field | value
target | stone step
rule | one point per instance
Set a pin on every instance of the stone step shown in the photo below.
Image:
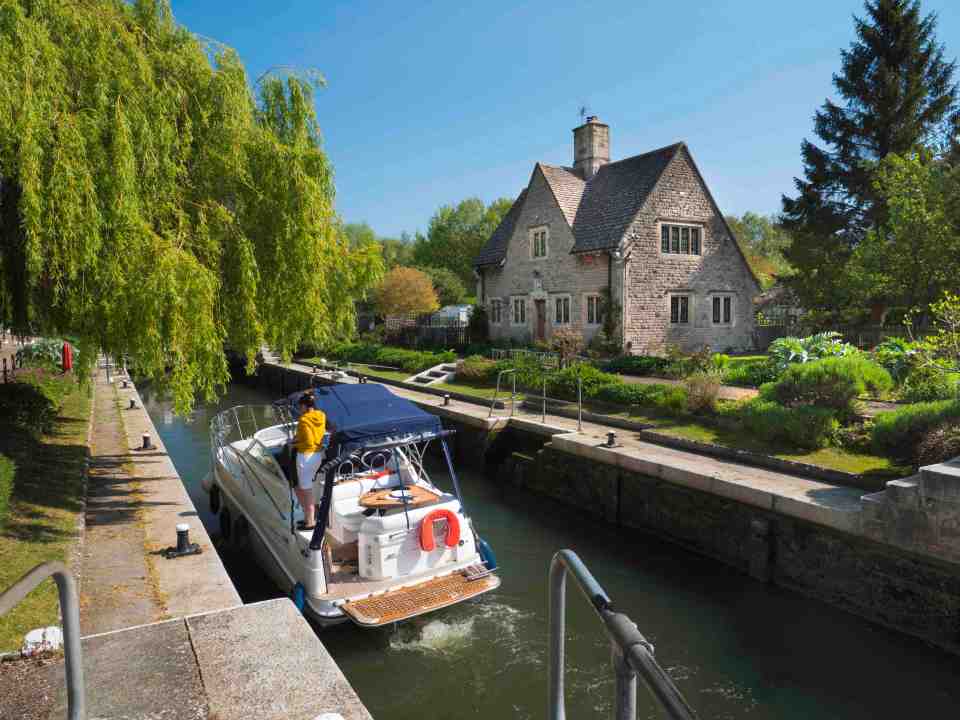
(437, 373)
(448, 368)
(423, 379)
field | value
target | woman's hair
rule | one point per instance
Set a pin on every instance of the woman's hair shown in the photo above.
(306, 399)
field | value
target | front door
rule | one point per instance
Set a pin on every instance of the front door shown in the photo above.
(541, 306)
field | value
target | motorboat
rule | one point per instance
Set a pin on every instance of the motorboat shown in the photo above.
(388, 543)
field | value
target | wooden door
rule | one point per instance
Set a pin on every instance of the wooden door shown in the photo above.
(541, 306)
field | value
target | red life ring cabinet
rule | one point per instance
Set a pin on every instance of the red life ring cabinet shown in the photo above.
(426, 529)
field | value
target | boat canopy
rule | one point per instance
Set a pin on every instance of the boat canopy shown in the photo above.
(365, 413)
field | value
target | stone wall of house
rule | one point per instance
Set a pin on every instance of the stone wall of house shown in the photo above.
(531, 279)
(651, 277)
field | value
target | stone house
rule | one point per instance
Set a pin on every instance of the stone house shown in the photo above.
(640, 238)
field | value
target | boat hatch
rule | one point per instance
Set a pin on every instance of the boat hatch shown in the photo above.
(407, 602)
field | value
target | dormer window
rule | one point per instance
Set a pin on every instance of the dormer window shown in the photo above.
(538, 242)
(680, 239)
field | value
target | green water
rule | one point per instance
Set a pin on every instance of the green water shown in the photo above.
(736, 648)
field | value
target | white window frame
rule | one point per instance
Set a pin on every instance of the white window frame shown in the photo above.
(514, 299)
(567, 317)
(532, 237)
(496, 311)
(690, 310)
(598, 310)
(681, 225)
(720, 297)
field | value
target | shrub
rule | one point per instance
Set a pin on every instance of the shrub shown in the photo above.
(807, 426)
(563, 384)
(476, 368)
(787, 351)
(640, 365)
(567, 343)
(683, 363)
(750, 374)
(6, 486)
(898, 356)
(26, 405)
(939, 445)
(669, 399)
(45, 352)
(702, 388)
(898, 432)
(528, 371)
(833, 382)
(925, 383)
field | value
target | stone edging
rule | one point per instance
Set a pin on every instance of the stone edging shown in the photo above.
(722, 452)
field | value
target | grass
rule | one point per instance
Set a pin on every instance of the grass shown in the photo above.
(476, 389)
(399, 375)
(41, 524)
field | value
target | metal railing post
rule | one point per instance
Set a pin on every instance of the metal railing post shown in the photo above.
(544, 408)
(579, 403)
(70, 610)
(632, 654)
(625, 686)
(513, 393)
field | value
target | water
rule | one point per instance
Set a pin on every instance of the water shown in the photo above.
(736, 648)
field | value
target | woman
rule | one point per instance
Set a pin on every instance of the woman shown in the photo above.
(308, 443)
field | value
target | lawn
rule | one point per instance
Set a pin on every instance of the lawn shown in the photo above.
(41, 523)
(477, 389)
(398, 375)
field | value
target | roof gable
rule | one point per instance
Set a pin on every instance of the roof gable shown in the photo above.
(495, 249)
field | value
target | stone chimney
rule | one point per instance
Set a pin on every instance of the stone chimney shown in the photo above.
(591, 147)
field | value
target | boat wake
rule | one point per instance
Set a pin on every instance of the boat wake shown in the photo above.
(439, 637)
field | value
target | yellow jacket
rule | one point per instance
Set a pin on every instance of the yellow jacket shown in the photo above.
(310, 430)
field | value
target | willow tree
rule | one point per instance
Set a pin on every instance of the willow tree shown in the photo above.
(155, 203)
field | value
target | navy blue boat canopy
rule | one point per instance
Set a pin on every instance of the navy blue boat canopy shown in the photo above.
(361, 414)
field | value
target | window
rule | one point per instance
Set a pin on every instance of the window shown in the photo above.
(594, 310)
(679, 309)
(538, 242)
(679, 239)
(722, 310)
(519, 311)
(561, 314)
(496, 311)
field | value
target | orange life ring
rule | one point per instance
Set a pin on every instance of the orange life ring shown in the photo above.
(426, 529)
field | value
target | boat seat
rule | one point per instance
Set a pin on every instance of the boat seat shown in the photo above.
(347, 515)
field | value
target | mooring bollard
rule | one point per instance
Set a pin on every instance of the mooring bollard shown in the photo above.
(446, 398)
(611, 439)
(184, 546)
(133, 404)
(147, 445)
(123, 384)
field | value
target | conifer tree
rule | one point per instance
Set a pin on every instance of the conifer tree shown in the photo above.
(898, 94)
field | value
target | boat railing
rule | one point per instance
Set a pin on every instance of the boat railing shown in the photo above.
(70, 611)
(632, 652)
(242, 422)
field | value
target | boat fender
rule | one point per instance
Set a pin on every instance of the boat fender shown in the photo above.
(426, 529)
(486, 554)
(207, 482)
(299, 596)
(214, 498)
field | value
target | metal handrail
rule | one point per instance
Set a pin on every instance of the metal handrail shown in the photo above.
(70, 610)
(493, 401)
(632, 653)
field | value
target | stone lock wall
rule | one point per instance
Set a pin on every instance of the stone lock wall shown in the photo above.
(906, 591)
(651, 276)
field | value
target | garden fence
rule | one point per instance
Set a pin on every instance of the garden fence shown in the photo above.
(426, 331)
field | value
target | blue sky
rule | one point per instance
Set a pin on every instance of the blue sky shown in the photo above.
(430, 103)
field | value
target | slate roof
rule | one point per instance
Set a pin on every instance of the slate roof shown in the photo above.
(495, 249)
(599, 211)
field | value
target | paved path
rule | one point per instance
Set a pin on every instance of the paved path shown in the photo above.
(116, 589)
